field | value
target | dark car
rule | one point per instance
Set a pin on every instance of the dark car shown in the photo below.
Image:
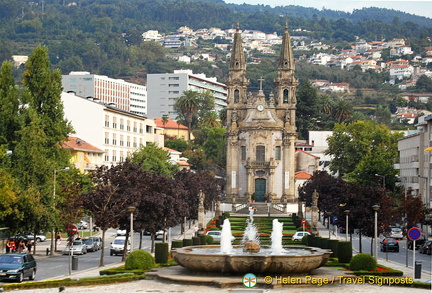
(98, 241)
(17, 266)
(390, 244)
(90, 244)
(426, 248)
(418, 243)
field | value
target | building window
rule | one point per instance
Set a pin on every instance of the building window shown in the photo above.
(243, 153)
(114, 139)
(106, 138)
(114, 122)
(135, 129)
(285, 96)
(260, 153)
(148, 129)
(121, 124)
(106, 156)
(106, 121)
(128, 126)
(278, 153)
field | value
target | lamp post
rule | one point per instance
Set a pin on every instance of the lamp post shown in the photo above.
(376, 208)
(346, 212)
(54, 196)
(383, 179)
(131, 209)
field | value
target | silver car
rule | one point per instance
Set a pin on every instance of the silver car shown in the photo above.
(78, 247)
(217, 235)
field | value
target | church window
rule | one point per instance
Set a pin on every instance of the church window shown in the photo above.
(260, 153)
(285, 96)
(278, 153)
(236, 96)
(243, 153)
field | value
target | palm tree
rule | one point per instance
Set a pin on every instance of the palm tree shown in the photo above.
(187, 106)
(342, 111)
(164, 121)
(211, 120)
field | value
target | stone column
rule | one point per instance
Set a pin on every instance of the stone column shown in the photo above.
(201, 219)
(315, 197)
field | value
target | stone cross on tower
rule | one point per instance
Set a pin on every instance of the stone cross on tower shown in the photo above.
(261, 81)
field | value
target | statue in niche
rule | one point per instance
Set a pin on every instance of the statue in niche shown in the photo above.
(236, 96)
(287, 117)
(234, 117)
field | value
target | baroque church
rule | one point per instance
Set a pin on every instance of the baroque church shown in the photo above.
(261, 132)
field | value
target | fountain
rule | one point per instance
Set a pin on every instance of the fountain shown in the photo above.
(250, 256)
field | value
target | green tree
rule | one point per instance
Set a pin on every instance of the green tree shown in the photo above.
(177, 144)
(383, 115)
(342, 110)
(214, 146)
(187, 106)
(153, 159)
(307, 108)
(9, 102)
(362, 149)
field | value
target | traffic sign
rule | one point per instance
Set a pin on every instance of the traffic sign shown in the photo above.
(414, 233)
(72, 229)
(303, 221)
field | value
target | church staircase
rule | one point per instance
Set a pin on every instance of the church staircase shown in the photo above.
(261, 209)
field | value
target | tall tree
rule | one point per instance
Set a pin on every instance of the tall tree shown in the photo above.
(187, 106)
(307, 108)
(9, 102)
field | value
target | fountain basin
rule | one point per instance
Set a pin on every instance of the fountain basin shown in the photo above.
(208, 258)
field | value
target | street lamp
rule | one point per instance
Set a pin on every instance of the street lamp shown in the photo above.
(54, 196)
(376, 208)
(383, 179)
(346, 212)
(131, 209)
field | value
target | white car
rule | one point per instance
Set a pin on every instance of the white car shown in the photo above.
(217, 235)
(117, 246)
(299, 235)
(396, 233)
(121, 232)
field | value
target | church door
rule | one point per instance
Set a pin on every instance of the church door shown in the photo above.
(260, 189)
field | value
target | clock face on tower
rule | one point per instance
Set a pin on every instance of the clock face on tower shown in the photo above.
(260, 107)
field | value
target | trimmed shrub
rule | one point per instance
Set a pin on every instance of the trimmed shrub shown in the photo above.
(218, 223)
(363, 262)
(311, 240)
(203, 239)
(344, 251)
(209, 239)
(161, 252)
(333, 245)
(226, 215)
(196, 241)
(139, 260)
(304, 240)
(324, 243)
(187, 242)
(176, 244)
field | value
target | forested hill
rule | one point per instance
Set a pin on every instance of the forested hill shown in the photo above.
(102, 36)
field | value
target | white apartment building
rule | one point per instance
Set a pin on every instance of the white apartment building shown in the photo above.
(117, 132)
(151, 35)
(117, 92)
(415, 162)
(164, 88)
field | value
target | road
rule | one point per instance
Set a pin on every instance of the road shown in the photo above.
(404, 256)
(58, 265)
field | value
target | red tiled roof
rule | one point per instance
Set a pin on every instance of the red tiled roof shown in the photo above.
(171, 150)
(302, 175)
(171, 124)
(307, 153)
(76, 143)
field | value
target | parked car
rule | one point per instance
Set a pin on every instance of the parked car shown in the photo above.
(90, 244)
(121, 232)
(426, 248)
(17, 266)
(390, 244)
(117, 246)
(40, 237)
(217, 235)
(78, 247)
(396, 233)
(299, 235)
(418, 243)
(82, 225)
(98, 241)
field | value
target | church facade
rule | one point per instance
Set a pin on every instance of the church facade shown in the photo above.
(261, 131)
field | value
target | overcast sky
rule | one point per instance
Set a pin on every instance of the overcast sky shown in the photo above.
(423, 7)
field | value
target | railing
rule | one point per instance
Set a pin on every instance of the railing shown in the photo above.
(279, 207)
(240, 206)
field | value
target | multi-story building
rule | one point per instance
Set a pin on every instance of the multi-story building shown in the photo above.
(116, 132)
(84, 156)
(117, 92)
(163, 90)
(415, 160)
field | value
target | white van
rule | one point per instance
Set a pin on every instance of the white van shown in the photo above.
(117, 246)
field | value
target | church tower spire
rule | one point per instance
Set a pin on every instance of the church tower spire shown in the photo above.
(237, 81)
(286, 82)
